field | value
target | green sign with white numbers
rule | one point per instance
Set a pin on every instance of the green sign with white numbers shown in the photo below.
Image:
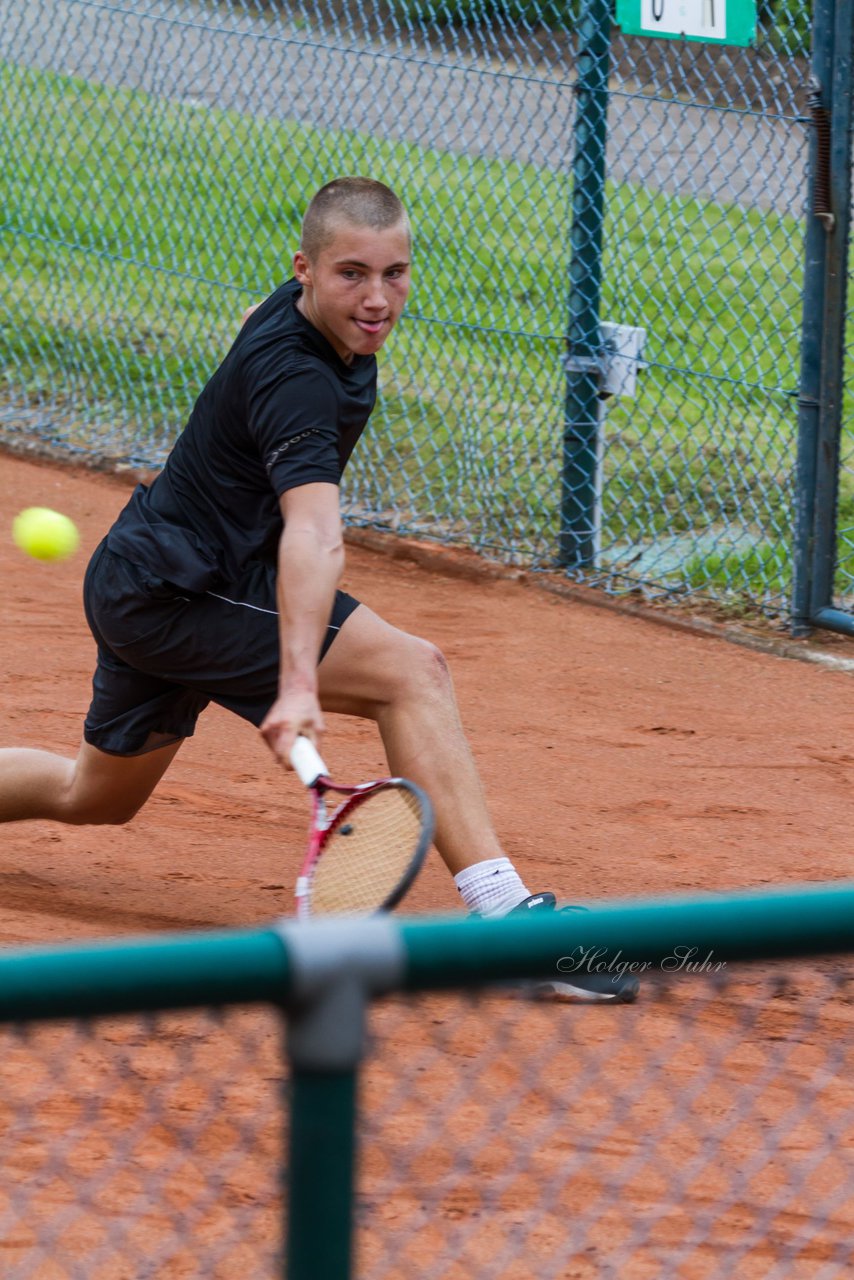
(712, 21)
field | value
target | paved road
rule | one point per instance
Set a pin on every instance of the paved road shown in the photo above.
(272, 67)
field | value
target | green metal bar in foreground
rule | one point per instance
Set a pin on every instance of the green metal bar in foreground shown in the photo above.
(249, 966)
(801, 921)
(171, 971)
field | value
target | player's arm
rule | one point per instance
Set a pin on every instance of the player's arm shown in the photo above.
(311, 561)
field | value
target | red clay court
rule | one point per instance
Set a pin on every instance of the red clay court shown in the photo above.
(622, 758)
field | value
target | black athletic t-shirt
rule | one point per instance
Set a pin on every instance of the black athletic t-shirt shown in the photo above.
(282, 410)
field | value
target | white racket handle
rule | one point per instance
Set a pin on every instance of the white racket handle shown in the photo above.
(307, 763)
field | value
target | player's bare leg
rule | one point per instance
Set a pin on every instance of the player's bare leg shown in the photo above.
(375, 671)
(94, 787)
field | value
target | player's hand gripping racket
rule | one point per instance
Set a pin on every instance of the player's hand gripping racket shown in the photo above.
(366, 848)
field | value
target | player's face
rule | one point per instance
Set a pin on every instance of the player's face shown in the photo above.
(355, 289)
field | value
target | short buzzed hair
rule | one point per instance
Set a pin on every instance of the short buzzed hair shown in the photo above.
(363, 202)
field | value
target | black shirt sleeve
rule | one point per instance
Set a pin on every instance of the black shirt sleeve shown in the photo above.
(293, 419)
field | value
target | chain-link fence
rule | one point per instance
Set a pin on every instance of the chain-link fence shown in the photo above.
(246, 1124)
(157, 158)
(706, 1131)
(142, 1148)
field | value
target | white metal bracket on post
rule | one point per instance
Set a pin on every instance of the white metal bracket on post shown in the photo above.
(622, 349)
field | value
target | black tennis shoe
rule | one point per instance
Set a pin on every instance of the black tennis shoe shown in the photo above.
(536, 902)
(579, 988)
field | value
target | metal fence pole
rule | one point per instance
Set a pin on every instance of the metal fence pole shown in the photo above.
(321, 1175)
(581, 411)
(336, 965)
(833, 355)
(812, 316)
(325, 1046)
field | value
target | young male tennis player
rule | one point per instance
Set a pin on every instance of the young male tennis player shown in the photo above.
(219, 582)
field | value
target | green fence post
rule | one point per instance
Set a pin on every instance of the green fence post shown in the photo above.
(812, 312)
(321, 1175)
(325, 1045)
(581, 409)
(833, 354)
(335, 966)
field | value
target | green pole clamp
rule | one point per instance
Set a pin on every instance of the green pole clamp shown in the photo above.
(336, 965)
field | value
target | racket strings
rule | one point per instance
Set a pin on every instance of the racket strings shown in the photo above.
(368, 852)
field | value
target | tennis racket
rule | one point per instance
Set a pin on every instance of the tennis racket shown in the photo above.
(366, 847)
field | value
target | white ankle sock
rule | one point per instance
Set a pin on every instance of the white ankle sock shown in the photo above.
(491, 888)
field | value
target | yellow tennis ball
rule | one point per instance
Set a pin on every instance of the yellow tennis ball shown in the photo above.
(45, 534)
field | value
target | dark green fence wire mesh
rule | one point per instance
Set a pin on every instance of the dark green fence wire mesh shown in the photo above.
(156, 158)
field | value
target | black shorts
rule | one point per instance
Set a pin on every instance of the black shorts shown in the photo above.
(164, 653)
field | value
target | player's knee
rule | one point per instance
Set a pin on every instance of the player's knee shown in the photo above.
(403, 669)
(101, 811)
(427, 668)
